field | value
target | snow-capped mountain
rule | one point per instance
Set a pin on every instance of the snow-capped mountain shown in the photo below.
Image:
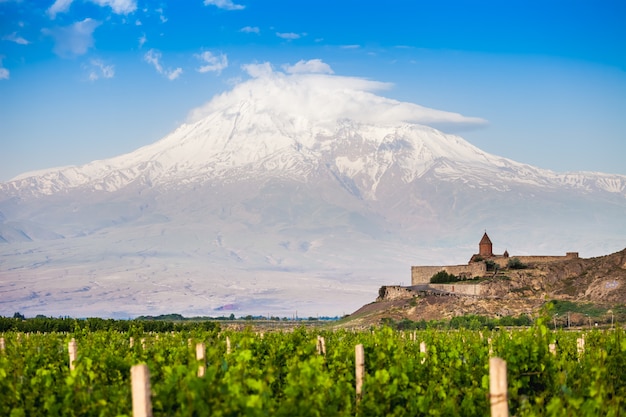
(299, 192)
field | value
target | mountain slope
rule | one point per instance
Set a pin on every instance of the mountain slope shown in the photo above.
(289, 192)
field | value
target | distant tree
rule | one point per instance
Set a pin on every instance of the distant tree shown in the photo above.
(515, 263)
(442, 277)
(18, 315)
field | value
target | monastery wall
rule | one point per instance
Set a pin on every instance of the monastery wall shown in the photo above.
(394, 292)
(422, 274)
(502, 262)
(456, 288)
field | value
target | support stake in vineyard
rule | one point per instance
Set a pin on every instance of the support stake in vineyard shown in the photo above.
(72, 350)
(140, 381)
(498, 392)
(359, 356)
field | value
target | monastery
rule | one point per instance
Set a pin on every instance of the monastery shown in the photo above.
(477, 265)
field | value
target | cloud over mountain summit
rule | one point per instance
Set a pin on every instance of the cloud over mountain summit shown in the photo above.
(309, 90)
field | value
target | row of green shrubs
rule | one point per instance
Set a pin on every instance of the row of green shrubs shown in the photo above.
(470, 321)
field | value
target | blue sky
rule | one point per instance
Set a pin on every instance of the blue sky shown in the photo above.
(90, 79)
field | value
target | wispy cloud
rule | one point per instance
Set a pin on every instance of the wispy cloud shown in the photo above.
(118, 6)
(214, 63)
(350, 46)
(250, 29)
(312, 66)
(258, 70)
(74, 39)
(4, 73)
(289, 35)
(162, 17)
(172, 75)
(98, 69)
(13, 37)
(224, 4)
(142, 40)
(59, 6)
(154, 57)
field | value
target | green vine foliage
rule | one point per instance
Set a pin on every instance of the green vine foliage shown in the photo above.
(282, 374)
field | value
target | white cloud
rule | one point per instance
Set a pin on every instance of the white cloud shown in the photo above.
(162, 17)
(59, 6)
(250, 29)
(142, 40)
(350, 46)
(311, 66)
(100, 70)
(138, 22)
(118, 6)
(214, 63)
(258, 70)
(13, 37)
(154, 57)
(74, 39)
(326, 98)
(224, 4)
(4, 73)
(288, 36)
(172, 75)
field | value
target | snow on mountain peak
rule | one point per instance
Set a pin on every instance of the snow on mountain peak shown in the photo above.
(291, 123)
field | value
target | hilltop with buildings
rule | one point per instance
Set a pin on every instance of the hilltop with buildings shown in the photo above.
(481, 265)
(504, 285)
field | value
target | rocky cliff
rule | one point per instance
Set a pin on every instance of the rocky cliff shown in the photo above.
(598, 282)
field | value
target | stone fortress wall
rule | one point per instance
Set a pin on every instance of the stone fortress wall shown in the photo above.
(477, 266)
(502, 261)
(422, 274)
(459, 288)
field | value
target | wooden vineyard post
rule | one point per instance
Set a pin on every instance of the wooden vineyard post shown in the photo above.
(552, 348)
(580, 346)
(200, 357)
(72, 349)
(131, 341)
(140, 382)
(423, 351)
(2, 345)
(359, 370)
(321, 346)
(498, 393)
(227, 345)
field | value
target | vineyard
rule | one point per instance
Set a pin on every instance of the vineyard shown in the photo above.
(311, 372)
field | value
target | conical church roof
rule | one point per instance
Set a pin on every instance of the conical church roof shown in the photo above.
(485, 240)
